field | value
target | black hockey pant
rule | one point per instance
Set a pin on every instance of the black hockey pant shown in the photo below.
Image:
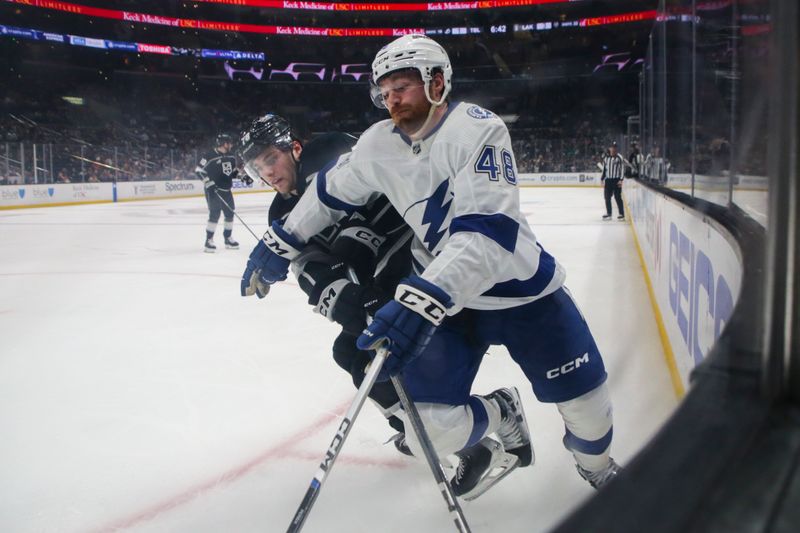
(612, 188)
(355, 361)
(216, 205)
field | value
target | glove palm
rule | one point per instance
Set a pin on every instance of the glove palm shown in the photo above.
(269, 261)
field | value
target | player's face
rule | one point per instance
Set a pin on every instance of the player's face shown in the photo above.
(224, 148)
(276, 167)
(404, 96)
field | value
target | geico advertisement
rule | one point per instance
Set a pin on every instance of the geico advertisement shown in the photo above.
(695, 271)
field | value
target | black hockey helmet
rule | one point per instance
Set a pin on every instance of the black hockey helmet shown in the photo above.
(223, 138)
(265, 131)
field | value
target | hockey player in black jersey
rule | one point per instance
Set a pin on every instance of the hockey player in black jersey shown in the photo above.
(217, 169)
(372, 244)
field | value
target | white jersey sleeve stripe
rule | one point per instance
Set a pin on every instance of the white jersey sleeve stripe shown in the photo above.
(328, 199)
(500, 228)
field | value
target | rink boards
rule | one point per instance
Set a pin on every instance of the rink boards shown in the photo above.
(58, 194)
(694, 273)
(18, 196)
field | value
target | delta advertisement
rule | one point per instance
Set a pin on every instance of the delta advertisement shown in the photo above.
(695, 270)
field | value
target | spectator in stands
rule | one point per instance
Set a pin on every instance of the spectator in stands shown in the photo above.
(15, 178)
(63, 177)
(720, 150)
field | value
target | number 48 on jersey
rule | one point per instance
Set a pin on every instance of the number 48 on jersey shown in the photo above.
(487, 164)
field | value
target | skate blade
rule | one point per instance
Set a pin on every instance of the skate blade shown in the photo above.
(501, 466)
(209, 251)
(229, 247)
(521, 410)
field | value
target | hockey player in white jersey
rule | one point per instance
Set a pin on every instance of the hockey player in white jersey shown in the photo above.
(449, 170)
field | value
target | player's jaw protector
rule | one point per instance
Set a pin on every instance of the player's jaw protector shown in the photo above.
(412, 52)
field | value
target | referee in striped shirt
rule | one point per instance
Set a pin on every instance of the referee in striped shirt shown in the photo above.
(613, 166)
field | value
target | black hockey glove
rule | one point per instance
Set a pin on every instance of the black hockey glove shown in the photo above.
(335, 297)
(315, 275)
(359, 244)
(209, 185)
(353, 304)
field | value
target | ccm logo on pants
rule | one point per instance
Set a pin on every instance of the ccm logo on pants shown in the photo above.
(568, 367)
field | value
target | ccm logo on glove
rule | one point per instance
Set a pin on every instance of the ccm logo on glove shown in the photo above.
(277, 245)
(420, 303)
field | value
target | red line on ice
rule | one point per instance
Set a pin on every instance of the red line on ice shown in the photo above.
(282, 449)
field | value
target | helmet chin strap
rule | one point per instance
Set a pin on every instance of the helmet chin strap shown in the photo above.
(420, 133)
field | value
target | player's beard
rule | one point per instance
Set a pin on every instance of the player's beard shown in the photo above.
(409, 118)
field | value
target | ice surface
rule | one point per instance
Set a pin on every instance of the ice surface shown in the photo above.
(139, 392)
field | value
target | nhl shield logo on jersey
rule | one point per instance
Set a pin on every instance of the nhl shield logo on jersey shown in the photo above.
(479, 112)
(227, 168)
(344, 159)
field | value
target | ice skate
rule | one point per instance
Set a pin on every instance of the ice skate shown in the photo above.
(607, 217)
(231, 244)
(480, 467)
(513, 431)
(210, 247)
(601, 477)
(399, 440)
(621, 217)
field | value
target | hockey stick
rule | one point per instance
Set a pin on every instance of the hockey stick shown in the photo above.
(430, 454)
(427, 446)
(337, 442)
(236, 214)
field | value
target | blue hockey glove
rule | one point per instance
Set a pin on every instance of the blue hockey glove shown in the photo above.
(253, 285)
(406, 323)
(269, 260)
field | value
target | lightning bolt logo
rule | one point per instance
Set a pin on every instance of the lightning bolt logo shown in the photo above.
(435, 212)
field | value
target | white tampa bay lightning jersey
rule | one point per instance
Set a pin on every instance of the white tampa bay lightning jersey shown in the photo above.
(457, 190)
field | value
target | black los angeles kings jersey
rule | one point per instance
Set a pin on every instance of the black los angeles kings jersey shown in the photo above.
(217, 167)
(374, 240)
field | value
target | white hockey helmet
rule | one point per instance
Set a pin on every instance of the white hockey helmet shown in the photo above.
(411, 51)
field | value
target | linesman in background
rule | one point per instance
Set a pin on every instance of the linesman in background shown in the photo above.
(217, 169)
(656, 167)
(613, 167)
(636, 160)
